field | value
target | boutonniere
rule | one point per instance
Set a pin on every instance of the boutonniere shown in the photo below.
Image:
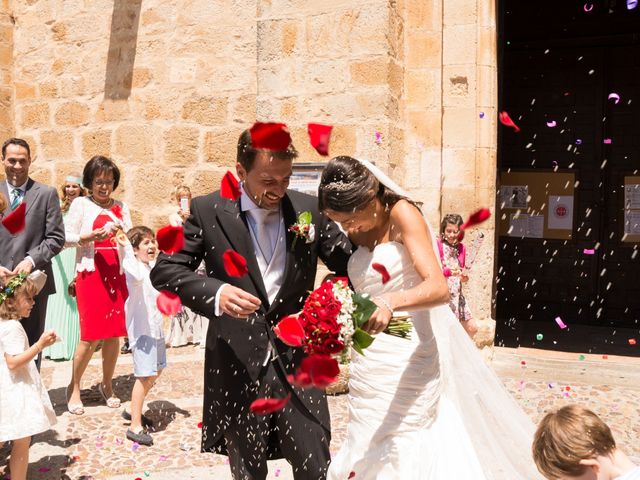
(303, 228)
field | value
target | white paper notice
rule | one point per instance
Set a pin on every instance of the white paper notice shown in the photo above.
(632, 196)
(523, 225)
(632, 222)
(560, 212)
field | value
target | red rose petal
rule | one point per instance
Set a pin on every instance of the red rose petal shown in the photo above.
(382, 270)
(199, 424)
(168, 303)
(632, 341)
(170, 239)
(319, 136)
(229, 187)
(505, 119)
(117, 211)
(351, 474)
(290, 331)
(270, 136)
(318, 370)
(264, 406)
(234, 264)
(476, 218)
(15, 221)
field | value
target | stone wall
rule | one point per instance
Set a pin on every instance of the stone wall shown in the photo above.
(6, 63)
(165, 88)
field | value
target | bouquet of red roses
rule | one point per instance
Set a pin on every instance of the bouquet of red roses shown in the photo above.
(330, 321)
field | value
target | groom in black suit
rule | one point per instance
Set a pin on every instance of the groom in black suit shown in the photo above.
(244, 360)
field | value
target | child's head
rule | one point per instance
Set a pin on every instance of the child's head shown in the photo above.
(568, 443)
(3, 203)
(450, 227)
(143, 241)
(16, 297)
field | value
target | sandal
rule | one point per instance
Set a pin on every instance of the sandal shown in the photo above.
(74, 408)
(112, 401)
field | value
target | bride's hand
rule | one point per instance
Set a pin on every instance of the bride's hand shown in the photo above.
(379, 319)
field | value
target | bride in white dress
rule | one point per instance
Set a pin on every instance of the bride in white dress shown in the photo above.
(428, 407)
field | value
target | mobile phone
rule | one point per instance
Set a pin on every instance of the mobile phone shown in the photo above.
(184, 204)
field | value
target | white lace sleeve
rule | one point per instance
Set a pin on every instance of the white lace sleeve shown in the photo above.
(73, 223)
(126, 217)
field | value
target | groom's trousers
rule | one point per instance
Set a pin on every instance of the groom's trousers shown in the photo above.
(302, 440)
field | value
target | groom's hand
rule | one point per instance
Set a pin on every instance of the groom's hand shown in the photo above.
(236, 302)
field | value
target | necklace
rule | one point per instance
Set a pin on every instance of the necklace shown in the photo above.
(107, 205)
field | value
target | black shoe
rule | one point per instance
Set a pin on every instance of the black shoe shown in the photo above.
(125, 348)
(146, 421)
(141, 438)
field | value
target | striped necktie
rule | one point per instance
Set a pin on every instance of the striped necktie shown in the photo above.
(17, 195)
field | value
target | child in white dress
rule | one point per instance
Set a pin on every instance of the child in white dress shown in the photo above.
(25, 407)
(138, 250)
(573, 443)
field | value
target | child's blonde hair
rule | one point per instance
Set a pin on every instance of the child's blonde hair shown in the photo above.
(3, 203)
(8, 306)
(181, 191)
(569, 435)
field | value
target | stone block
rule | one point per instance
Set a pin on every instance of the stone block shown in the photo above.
(182, 70)
(181, 146)
(141, 77)
(151, 184)
(487, 85)
(41, 173)
(459, 167)
(488, 128)
(424, 50)
(24, 91)
(487, 47)
(72, 114)
(424, 15)
(113, 110)
(57, 144)
(205, 110)
(459, 127)
(34, 115)
(370, 72)
(425, 126)
(96, 142)
(135, 143)
(423, 88)
(460, 12)
(459, 45)
(220, 147)
(59, 31)
(459, 85)
(204, 181)
(48, 89)
(289, 110)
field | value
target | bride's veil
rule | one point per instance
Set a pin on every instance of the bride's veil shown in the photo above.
(501, 432)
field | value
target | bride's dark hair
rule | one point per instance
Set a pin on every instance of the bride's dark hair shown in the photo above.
(347, 185)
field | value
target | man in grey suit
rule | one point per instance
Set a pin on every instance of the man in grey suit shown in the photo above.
(43, 235)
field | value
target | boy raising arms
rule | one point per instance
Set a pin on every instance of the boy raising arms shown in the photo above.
(573, 443)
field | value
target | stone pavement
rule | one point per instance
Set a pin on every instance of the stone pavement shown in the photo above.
(94, 445)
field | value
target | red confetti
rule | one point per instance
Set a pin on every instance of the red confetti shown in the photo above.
(632, 341)
(505, 119)
(229, 187)
(15, 221)
(523, 362)
(234, 264)
(605, 357)
(170, 239)
(290, 331)
(199, 424)
(352, 474)
(270, 136)
(264, 406)
(317, 371)
(382, 270)
(44, 469)
(476, 217)
(319, 136)
(168, 303)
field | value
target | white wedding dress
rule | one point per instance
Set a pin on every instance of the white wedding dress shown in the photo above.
(426, 408)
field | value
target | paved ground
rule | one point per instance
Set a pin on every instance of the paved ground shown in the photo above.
(94, 446)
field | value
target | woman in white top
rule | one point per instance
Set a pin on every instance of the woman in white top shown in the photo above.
(101, 289)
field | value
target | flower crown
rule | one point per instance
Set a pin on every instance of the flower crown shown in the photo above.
(10, 287)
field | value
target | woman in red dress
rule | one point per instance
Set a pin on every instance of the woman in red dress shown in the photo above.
(101, 289)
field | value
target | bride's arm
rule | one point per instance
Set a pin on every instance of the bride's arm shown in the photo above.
(408, 226)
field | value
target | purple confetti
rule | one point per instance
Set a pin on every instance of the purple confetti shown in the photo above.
(607, 141)
(378, 138)
(589, 251)
(551, 124)
(578, 141)
(614, 96)
(560, 323)
(481, 114)
(163, 458)
(631, 4)
(588, 7)
(135, 446)
(44, 469)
